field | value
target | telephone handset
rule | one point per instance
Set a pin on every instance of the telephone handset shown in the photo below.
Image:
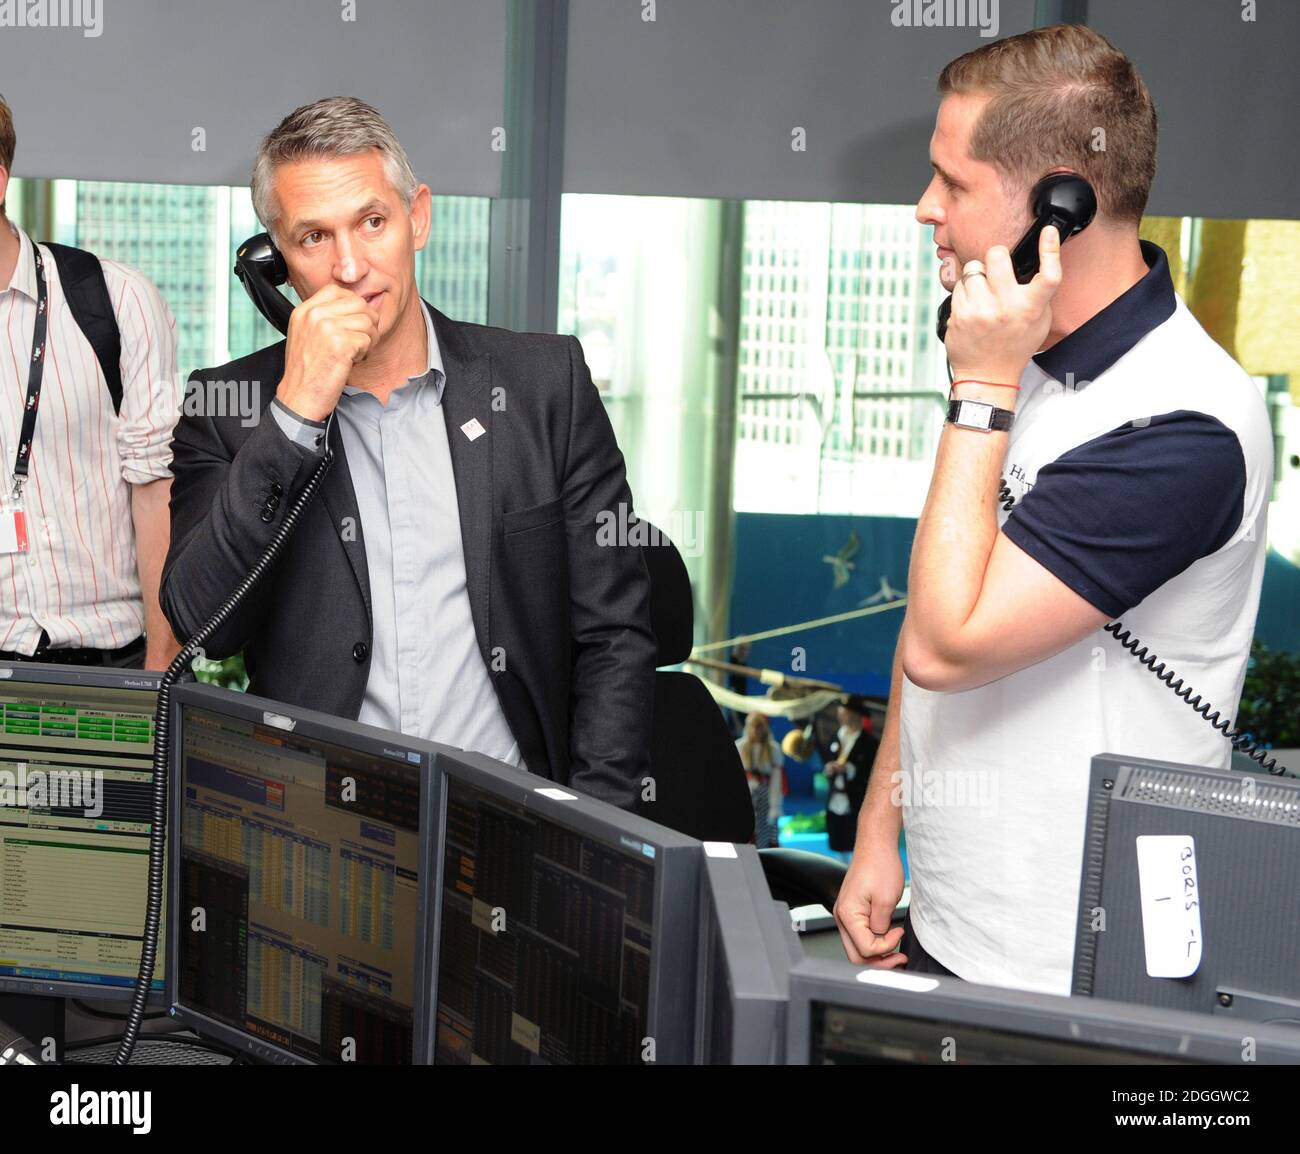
(260, 268)
(1062, 199)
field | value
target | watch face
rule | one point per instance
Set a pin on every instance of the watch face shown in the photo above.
(975, 414)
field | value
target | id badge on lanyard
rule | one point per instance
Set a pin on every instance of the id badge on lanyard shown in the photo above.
(13, 525)
(13, 520)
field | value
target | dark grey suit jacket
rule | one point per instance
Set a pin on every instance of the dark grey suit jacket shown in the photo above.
(570, 612)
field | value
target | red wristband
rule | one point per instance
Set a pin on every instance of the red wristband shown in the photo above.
(972, 381)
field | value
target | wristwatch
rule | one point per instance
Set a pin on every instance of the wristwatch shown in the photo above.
(980, 415)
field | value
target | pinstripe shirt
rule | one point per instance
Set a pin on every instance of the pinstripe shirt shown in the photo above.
(79, 580)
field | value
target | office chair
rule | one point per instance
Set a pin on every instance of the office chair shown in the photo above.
(699, 783)
(700, 786)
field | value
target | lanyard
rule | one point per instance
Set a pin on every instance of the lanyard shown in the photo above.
(35, 373)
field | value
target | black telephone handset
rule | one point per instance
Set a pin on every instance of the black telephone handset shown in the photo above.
(260, 268)
(1062, 199)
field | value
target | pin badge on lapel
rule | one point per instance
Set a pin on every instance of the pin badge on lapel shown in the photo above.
(472, 429)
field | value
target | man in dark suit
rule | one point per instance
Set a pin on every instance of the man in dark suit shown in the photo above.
(454, 578)
(853, 755)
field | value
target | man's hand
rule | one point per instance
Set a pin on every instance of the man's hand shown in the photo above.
(869, 894)
(997, 324)
(328, 333)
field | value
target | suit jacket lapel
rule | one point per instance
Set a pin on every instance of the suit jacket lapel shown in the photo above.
(341, 500)
(465, 398)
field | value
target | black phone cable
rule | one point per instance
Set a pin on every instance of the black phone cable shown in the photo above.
(179, 668)
(1237, 737)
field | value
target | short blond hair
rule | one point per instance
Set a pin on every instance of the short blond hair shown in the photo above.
(1063, 96)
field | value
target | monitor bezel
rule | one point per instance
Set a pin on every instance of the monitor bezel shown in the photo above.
(672, 1008)
(366, 739)
(757, 952)
(1092, 1023)
(96, 677)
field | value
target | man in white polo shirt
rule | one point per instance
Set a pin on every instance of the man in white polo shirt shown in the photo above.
(1132, 486)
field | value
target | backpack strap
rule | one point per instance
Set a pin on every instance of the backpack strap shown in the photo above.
(86, 291)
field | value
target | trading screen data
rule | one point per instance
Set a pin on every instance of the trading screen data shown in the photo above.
(545, 943)
(300, 882)
(76, 773)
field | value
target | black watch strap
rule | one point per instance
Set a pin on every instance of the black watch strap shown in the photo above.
(980, 415)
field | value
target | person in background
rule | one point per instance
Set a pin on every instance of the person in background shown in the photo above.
(761, 756)
(847, 775)
(738, 683)
(84, 525)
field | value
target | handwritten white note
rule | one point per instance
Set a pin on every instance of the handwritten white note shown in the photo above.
(1171, 904)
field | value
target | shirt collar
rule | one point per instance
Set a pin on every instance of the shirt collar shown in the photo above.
(434, 374)
(1099, 342)
(24, 278)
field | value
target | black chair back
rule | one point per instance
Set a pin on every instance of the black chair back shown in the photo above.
(699, 783)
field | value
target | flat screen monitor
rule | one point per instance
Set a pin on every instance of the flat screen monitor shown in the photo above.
(301, 850)
(747, 948)
(76, 775)
(1186, 897)
(566, 928)
(841, 1014)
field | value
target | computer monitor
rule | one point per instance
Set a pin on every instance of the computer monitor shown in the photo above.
(565, 927)
(747, 948)
(841, 1014)
(1187, 898)
(302, 848)
(76, 776)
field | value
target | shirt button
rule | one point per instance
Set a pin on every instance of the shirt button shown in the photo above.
(276, 488)
(267, 515)
(359, 651)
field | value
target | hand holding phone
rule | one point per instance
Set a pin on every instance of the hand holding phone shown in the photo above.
(329, 332)
(1062, 199)
(999, 323)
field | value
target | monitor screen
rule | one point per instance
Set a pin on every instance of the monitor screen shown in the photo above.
(545, 938)
(299, 888)
(76, 775)
(845, 1035)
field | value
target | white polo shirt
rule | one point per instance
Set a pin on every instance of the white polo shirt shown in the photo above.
(1141, 465)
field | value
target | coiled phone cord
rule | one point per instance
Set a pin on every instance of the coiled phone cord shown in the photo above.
(1125, 637)
(180, 668)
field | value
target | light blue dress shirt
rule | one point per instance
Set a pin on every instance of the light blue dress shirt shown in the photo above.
(427, 676)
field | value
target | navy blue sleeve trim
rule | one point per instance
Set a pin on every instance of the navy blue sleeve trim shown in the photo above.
(1118, 516)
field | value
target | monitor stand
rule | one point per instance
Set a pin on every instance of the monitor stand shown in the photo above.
(38, 1018)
